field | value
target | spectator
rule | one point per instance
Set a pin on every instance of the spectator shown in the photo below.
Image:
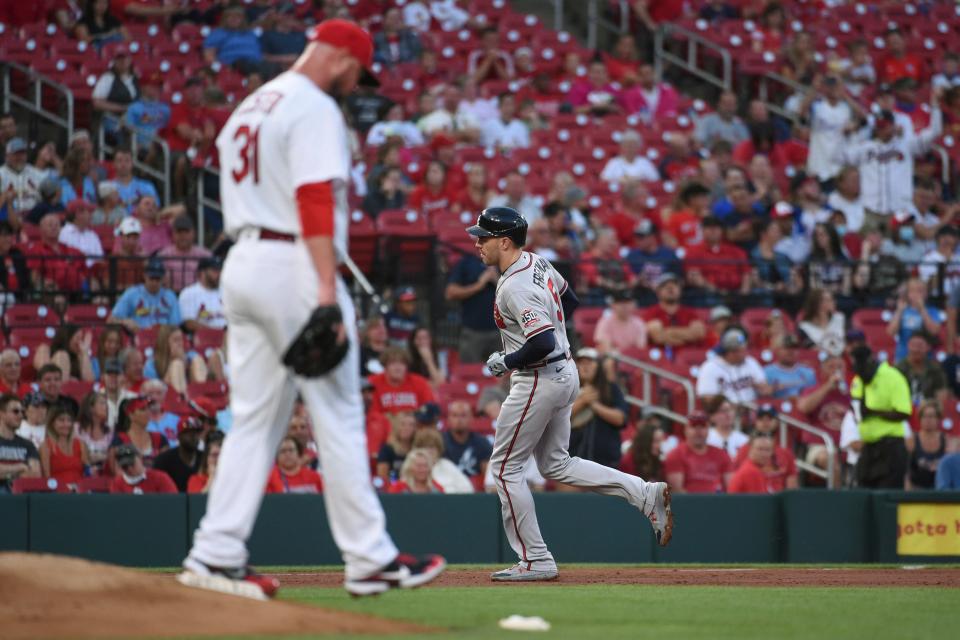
(473, 285)
(733, 375)
(652, 100)
(172, 363)
(201, 303)
(447, 120)
(717, 266)
(373, 342)
(76, 182)
(183, 460)
(387, 193)
(643, 457)
(828, 268)
(477, 192)
(882, 405)
(148, 115)
(110, 210)
(772, 270)
(716, 11)
(720, 319)
(899, 63)
(489, 62)
(924, 375)
(185, 253)
(300, 430)
(669, 324)
(159, 420)
(395, 44)
(633, 210)
(416, 474)
(540, 238)
(848, 200)
(149, 304)
(599, 413)
(681, 161)
(8, 128)
(20, 177)
(682, 227)
(289, 475)
(941, 266)
(751, 476)
(507, 131)
(395, 125)
(620, 329)
(54, 266)
(69, 351)
(738, 213)
(34, 425)
(50, 200)
(624, 61)
(468, 450)
(403, 319)
(50, 383)
(830, 112)
(94, 431)
(781, 473)
(233, 43)
(156, 233)
(134, 477)
(397, 390)
(787, 378)
(913, 314)
(477, 104)
(722, 124)
(821, 324)
(18, 456)
(948, 473)
(693, 466)
(432, 197)
(130, 188)
(116, 88)
(629, 164)
(284, 40)
(63, 456)
(595, 94)
(10, 374)
(110, 381)
(444, 472)
(515, 196)
(926, 448)
(857, 69)
(77, 233)
(126, 261)
(399, 442)
(190, 127)
(132, 424)
(904, 243)
(200, 482)
(649, 259)
(769, 34)
(365, 107)
(723, 434)
(602, 269)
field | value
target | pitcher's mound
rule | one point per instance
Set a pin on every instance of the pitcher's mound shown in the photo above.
(45, 596)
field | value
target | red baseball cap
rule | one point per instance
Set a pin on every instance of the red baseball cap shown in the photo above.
(344, 34)
(186, 423)
(204, 407)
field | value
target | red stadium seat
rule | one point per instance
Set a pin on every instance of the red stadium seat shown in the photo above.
(96, 484)
(37, 485)
(30, 315)
(86, 314)
(76, 389)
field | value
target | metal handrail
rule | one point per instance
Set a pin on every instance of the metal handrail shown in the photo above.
(161, 175)
(648, 371)
(763, 91)
(203, 203)
(38, 82)
(694, 42)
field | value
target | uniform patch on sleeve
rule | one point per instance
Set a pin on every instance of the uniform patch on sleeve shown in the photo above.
(529, 318)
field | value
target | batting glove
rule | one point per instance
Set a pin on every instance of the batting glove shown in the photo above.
(496, 363)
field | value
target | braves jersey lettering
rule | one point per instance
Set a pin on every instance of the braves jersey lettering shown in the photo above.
(528, 303)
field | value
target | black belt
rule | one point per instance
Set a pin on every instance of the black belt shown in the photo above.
(543, 363)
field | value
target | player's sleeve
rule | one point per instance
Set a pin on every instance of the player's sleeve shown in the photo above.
(528, 310)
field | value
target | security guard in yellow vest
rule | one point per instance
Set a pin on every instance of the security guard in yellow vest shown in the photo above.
(881, 399)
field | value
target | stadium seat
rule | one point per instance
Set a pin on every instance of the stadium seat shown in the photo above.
(76, 389)
(96, 484)
(86, 314)
(205, 339)
(30, 315)
(37, 485)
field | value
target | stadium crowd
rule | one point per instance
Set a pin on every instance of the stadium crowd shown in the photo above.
(801, 267)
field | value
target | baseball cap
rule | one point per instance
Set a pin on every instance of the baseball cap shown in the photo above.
(125, 454)
(645, 228)
(782, 210)
(733, 339)
(16, 145)
(344, 34)
(112, 366)
(155, 268)
(188, 423)
(212, 262)
(719, 313)
(48, 187)
(767, 409)
(182, 223)
(442, 140)
(137, 403)
(621, 296)
(664, 278)
(129, 226)
(588, 352)
(427, 413)
(79, 204)
(204, 407)
(35, 399)
(406, 293)
(697, 419)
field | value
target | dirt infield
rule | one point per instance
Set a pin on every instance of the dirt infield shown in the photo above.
(45, 596)
(745, 577)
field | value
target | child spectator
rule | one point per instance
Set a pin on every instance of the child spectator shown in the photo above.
(63, 456)
(134, 477)
(694, 466)
(395, 449)
(289, 475)
(415, 474)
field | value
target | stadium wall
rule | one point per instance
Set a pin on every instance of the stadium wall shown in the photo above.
(795, 526)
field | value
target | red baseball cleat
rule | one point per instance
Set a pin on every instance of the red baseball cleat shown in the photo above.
(239, 581)
(406, 572)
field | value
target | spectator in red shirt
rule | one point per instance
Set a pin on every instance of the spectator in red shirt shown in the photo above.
(694, 466)
(624, 60)
(396, 389)
(781, 473)
(751, 477)
(133, 477)
(825, 407)
(200, 482)
(432, 195)
(682, 226)
(54, 266)
(602, 268)
(290, 475)
(378, 426)
(490, 62)
(633, 209)
(63, 455)
(10, 372)
(681, 160)
(415, 475)
(444, 150)
(668, 323)
(898, 63)
(770, 34)
(189, 126)
(716, 265)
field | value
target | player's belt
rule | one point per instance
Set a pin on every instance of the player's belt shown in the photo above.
(543, 363)
(259, 233)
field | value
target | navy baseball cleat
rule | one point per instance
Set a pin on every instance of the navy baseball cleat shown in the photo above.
(239, 581)
(406, 572)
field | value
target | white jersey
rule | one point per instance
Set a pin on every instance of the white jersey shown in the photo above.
(286, 134)
(528, 303)
(718, 377)
(203, 305)
(827, 123)
(25, 185)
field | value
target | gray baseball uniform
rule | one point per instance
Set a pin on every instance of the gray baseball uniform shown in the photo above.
(535, 418)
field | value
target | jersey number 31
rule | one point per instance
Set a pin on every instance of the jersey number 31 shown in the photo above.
(249, 155)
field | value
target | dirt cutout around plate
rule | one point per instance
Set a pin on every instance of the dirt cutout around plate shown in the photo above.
(51, 597)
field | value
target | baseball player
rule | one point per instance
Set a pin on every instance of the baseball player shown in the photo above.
(531, 306)
(283, 184)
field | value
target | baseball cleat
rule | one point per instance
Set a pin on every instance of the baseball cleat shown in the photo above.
(241, 581)
(406, 572)
(661, 517)
(524, 572)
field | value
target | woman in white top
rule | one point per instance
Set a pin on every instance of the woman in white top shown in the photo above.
(823, 326)
(723, 434)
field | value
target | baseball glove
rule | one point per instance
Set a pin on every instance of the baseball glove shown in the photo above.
(317, 349)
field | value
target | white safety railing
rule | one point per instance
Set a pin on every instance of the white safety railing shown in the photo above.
(33, 101)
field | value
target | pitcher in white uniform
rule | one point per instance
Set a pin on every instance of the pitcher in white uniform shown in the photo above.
(286, 165)
(532, 303)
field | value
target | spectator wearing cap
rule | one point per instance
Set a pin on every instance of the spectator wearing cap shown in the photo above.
(507, 131)
(733, 374)
(648, 258)
(781, 471)
(53, 265)
(77, 234)
(126, 260)
(403, 319)
(50, 200)
(19, 457)
(201, 303)
(132, 429)
(184, 255)
(913, 314)
(721, 124)
(10, 374)
(924, 375)
(489, 62)
(233, 43)
(723, 434)
(427, 417)
(599, 413)
(33, 426)
(110, 210)
(395, 43)
(620, 329)
(397, 389)
(940, 268)
(148, 114)
(183, 460)
(629, 164)
(19, 177)
(682, 227)
(788, 378)
(516, 196)
(602, 269)
(423, 356)
(472, 284)
(693, 466)
(117, 87)
(14, 275)
(670, 324)
(468, 450)
(133, 477)
(903, 242)
(148, 304)
(717, 266)
(98, 25)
